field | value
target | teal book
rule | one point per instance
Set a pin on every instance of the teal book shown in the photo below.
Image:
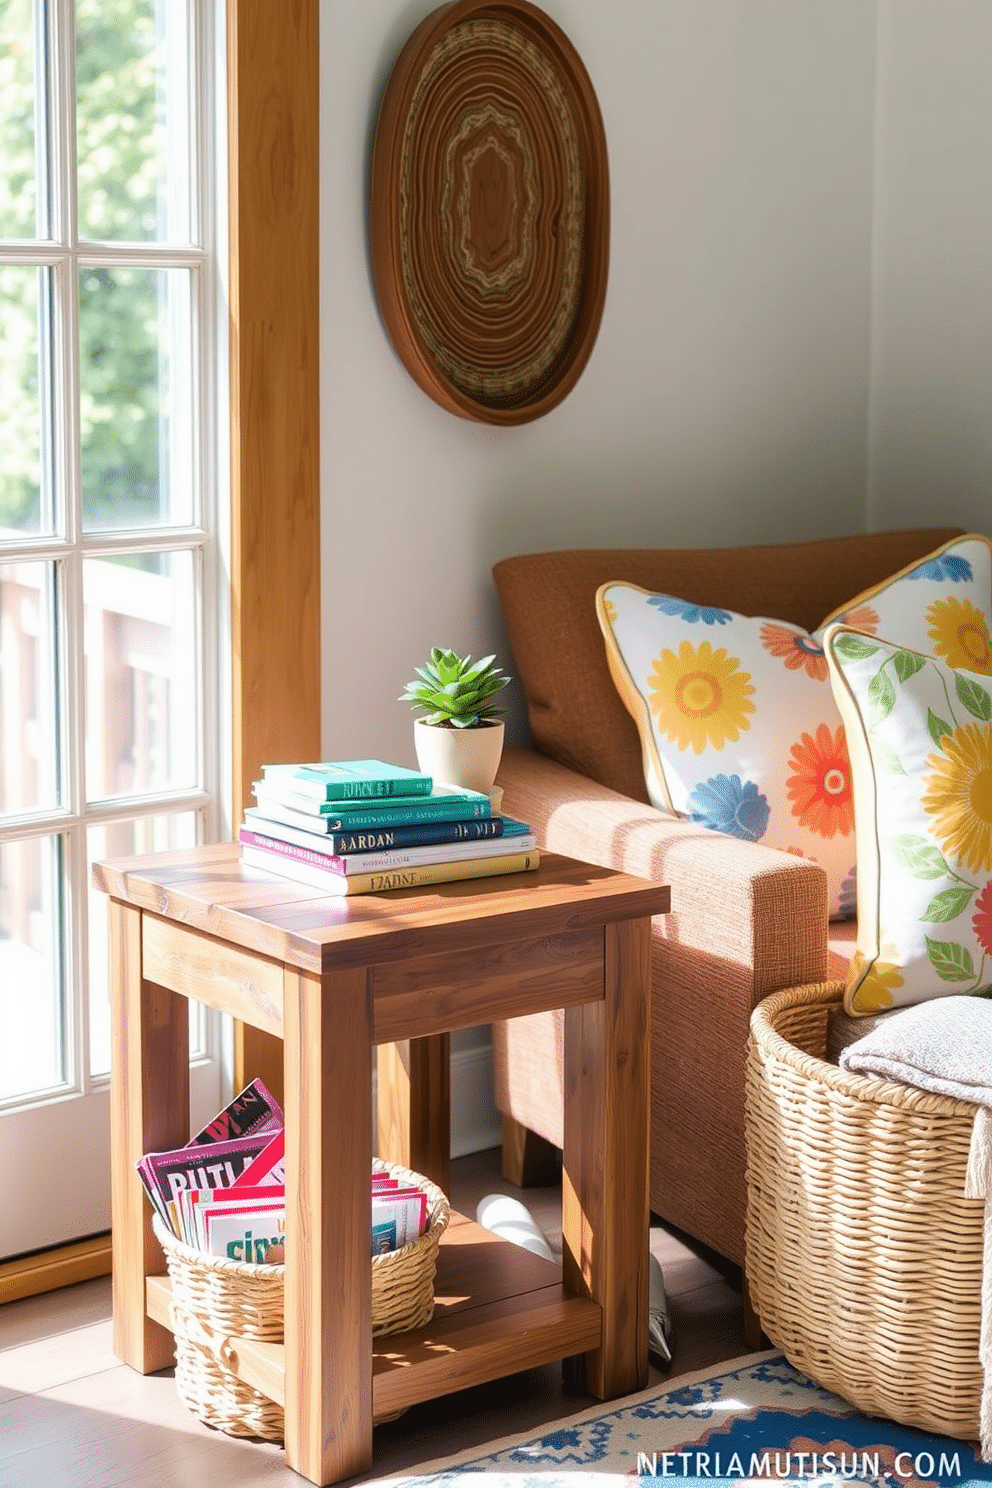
(479, 830)
(440, 805)
(280, 794)
(349, 780)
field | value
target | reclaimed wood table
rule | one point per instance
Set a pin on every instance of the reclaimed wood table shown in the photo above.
(333, 978)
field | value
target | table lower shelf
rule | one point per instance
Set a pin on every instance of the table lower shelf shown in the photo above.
(498, 1309)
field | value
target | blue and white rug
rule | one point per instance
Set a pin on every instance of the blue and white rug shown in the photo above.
(752, 1421)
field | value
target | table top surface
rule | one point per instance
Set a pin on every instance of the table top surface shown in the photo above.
(210, 890)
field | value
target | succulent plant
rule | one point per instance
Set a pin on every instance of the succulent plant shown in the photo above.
(456, 692)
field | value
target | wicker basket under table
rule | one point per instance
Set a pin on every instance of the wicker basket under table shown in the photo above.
(864, 1261)
(216, 1301)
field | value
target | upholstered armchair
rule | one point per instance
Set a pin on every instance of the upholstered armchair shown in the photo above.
(746, 919)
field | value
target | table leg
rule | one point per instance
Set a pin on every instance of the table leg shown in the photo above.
(413, 1104)
(328, 1327)
(605, 1215)
(149, 1112)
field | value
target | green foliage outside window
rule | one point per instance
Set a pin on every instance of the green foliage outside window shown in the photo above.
(121, 153)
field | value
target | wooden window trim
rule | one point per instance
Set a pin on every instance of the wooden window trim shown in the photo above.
(274, 121)
(63, 1265)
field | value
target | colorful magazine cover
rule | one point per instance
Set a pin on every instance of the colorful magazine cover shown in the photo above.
(268, 1167)
(252, 1110)
(217, 1165)
(406, 1208)
(246, 1236)
(194, 1203)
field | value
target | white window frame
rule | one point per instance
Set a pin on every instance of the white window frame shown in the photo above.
(208, 535)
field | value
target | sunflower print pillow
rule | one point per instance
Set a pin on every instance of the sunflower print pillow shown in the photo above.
(920, 738)
(738, 725)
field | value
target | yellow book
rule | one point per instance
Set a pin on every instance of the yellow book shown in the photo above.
(394, 878)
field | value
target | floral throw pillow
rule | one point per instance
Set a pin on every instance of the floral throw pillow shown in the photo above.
(738, 725)
(920, 738)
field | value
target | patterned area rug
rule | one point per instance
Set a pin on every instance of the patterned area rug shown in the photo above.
(751, 1421)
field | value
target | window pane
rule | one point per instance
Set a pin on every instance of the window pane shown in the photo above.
(29, 719)
(121, 840)
(32, 1049)
(20, 202)
(132, 120)
(140, 628)
(136, 382)
(24, 491)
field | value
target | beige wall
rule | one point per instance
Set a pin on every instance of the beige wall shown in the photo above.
(931, 403)
(797, 337)
(726, 398)
(782, 212)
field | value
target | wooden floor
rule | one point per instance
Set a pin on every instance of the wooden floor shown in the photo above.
(72, 1415)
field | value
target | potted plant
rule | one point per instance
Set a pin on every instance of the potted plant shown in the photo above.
(460, 739)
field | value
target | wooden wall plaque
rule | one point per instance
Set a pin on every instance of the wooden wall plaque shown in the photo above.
(489, 214)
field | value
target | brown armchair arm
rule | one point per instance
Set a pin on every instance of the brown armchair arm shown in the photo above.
(746, 920)
(735, 901)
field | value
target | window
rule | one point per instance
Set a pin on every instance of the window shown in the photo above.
(110, 504)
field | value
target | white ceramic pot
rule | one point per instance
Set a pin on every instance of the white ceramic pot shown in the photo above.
(466, 757)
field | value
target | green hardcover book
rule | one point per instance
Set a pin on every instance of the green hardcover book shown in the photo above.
(282, 793)
(440, 805)
(350, 780)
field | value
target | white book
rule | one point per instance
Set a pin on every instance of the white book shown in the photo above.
(380, 862)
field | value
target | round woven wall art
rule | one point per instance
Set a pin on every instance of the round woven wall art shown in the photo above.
(490, 210)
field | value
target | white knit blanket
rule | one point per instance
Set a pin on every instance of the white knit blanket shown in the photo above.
(946, 1046)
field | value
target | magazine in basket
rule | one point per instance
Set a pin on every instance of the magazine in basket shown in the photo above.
(227, 1198)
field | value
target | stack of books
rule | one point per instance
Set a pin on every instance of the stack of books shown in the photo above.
(364, 826)
(224, 1193)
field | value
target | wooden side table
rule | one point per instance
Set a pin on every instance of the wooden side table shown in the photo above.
(333, 978)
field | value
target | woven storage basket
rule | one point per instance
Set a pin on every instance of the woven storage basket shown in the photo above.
(216, 1301)
(864, 1261)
